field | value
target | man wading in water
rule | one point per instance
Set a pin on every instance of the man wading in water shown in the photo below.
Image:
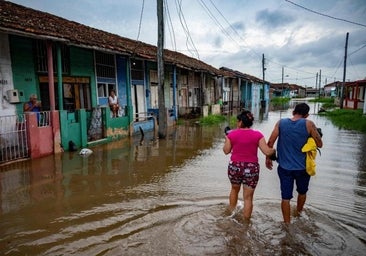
(292, 134)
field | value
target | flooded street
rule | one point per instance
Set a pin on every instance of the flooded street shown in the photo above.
(170, 197)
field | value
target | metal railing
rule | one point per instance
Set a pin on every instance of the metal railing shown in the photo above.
(44, 118)
(143, 116)
(13, 138)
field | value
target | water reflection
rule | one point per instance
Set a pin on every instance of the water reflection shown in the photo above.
(170, 197)
(361, 181)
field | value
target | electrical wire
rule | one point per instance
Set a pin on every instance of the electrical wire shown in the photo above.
(325, 15)
(337, 68)
(353, 68)
(363, 46)
(319, 14)
(170, 28)
(185, 28)
(212, 16)
(140, 23)
(233, 29)
(228, 34)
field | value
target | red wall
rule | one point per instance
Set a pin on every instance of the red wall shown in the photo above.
(41, 140)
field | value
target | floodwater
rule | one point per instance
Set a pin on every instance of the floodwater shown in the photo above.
(170, 197)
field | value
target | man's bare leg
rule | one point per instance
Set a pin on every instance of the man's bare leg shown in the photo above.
(300, 203)
(286, 211)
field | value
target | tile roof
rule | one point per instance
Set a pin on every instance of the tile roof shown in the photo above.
(286, 85)
(17, 19)
(234, 73)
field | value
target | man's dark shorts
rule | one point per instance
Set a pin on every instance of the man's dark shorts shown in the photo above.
(243, 173)
(287, 179)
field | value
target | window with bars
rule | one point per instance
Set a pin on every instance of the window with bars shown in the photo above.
(41, 57)
(105, 65)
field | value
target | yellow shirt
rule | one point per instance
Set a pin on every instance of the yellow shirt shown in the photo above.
(310, 149)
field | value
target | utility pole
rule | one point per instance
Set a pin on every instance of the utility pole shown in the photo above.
(263, 102)
(282, 80)
(344, 71)
(316, 83)
(160, 59)
(320, 82)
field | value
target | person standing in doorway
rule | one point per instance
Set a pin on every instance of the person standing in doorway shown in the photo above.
(243, 168)
(292, 134)
(113, 103)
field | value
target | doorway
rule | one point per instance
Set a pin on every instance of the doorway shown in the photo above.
(138, 102)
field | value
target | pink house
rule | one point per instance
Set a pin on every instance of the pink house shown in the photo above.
(355, 94)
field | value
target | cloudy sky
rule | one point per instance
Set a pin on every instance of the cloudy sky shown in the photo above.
(299, 38)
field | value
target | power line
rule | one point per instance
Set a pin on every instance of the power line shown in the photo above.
(363, 46)
(142, 12)
(185, 27)
(253, 53)
(338, 66)
(212, 16)
(228, 34)
(353, 68)
(170, 28)
(325, 15)
(236, 32)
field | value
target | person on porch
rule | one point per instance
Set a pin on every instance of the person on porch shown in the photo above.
(113, 103)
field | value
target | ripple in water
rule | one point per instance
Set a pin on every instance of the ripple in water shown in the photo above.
(206, 228)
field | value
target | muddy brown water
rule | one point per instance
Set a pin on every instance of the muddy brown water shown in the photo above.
(170, 197)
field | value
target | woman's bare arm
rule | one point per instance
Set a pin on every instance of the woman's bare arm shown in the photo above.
(227, 146)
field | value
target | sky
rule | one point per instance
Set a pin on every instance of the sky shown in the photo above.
(303, 41)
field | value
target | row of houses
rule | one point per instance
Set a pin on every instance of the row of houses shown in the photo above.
(352, 94)
(72, 68)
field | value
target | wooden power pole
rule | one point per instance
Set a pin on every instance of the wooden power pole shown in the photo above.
(160, 59)
(344, 71)
(320, 82)
(263, 102)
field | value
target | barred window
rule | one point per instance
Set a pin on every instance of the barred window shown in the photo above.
(41, 57)
(105, 65)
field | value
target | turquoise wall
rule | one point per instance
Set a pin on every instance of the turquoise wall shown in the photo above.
(74, 126)
(82, 64)
(23, 68)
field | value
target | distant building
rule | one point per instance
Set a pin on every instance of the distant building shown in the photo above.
(332, 89)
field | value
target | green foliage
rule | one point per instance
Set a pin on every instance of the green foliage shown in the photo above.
(212, 119)
(280, 100)
(323, 100)
(180, 121)
(329, 105)
(347, 119)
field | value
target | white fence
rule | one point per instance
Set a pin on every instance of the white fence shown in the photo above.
(13, 135)
(13, 138)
